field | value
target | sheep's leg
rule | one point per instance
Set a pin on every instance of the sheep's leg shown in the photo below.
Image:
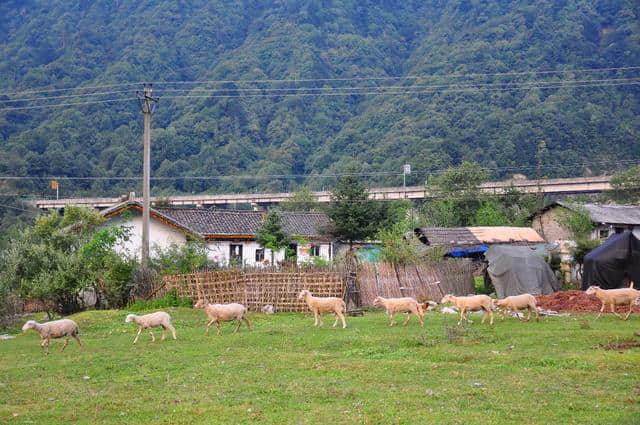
(153, 338)
(613, 310)
(45, 345)
(218, 330)
(407, 319)
(336, 322)
(173, 331)
(419, 316)
(320, 319)
(535, 308)
(209, 325)
(601, 310)
(164, 333)
(461, 316)
(66, 342)
(490, 317)
(484, 316)
(392, 322)
(238, 323)
(504, 313)
(315, 316)
(528, 313)
(344, 323)
(138, 335)
(77, 338)
(247, 322)
(630, 309)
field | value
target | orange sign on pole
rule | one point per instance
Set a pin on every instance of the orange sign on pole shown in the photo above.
(54, 184)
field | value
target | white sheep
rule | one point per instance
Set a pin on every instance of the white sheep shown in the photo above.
(516, 303)
(471, 303)
(319, 305)
(268, 309)
(224, 313)
(151, 320)
(614, 297)
(54, 329)
(401, 305)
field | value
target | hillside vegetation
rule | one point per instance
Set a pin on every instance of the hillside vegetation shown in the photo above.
(65, 44)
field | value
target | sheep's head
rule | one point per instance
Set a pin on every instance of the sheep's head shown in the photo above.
(377, 302)
(447, 298)
(592, 290)
(302, 295)
(129, 318)
(199, 304)
(497, 303)
(29, 325)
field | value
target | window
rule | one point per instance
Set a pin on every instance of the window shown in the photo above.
(235, 252)
(314, 251)
(259, 255)
(604, 233)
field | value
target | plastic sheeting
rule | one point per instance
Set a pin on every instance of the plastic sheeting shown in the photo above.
(516, 270)
(612, 263)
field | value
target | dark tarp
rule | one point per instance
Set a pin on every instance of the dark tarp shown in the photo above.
(609, 264)
(516, 270)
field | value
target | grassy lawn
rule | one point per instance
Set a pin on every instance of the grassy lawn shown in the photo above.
(286, 371)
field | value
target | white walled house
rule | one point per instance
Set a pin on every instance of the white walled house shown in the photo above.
(229, 235)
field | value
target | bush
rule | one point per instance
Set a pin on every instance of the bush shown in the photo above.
(171, 299)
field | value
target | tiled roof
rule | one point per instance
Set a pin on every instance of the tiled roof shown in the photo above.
(602, 213)
(212, 222)
(477, 235)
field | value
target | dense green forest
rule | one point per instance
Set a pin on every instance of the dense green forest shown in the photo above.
(465, 90)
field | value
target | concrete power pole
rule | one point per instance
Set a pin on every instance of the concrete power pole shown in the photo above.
(147, 104)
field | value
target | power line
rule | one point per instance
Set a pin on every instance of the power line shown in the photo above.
(65, 96)
(59, 105)
(18, 209)
(55, 90)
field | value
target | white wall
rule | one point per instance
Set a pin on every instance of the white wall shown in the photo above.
(160, 234)
(218, 251)
(305, 250)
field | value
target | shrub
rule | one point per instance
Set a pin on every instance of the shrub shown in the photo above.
(171, 299)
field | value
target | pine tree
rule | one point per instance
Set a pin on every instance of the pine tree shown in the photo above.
(271, 234)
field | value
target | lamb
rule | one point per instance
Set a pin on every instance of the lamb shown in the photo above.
(398, 305)
(516, 303)
(151, 320)
(471, 303)
(614, 297)
(55, 329)
(319, 305)
(224, 313)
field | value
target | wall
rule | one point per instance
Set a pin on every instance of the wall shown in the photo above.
(548, 225)
(218, 251)
(160, 235)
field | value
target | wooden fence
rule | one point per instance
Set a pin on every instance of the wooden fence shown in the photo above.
(423, 281)
(256, 289)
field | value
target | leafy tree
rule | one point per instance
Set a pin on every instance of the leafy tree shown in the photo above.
(302, 200)
(578, 222)
(490, 213)
(271, 234)
(180, 258)
(397, 248)
(354, 216)
(626, 185)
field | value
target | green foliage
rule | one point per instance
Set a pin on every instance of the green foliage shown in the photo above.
(578, 222)
(271, 235)
(355, 217)
(170, 299)
(397, 249)
(490, 213)
(180, 258)
(302, 200)
(626, 185)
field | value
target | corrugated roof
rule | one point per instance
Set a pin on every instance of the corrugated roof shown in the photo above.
(212, 222)
(477, 235)
(602, 213)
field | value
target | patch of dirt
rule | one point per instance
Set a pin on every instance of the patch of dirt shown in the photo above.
(576, 301)
(620, 345)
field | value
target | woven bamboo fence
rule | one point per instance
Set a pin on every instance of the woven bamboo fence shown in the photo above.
(256, 289)
(423, 281)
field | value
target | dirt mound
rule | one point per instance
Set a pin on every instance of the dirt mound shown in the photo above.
(576, 301)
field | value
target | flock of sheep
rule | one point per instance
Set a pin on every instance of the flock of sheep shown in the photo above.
(318, 305)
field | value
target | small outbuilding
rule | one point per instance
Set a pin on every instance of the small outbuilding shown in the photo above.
(516, 270)
(614, 263)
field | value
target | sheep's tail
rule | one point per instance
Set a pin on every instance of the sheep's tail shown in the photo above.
(631, 284)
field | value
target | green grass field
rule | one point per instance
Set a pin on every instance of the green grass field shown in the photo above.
(287, 371)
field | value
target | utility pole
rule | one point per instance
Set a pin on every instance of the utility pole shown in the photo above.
(148, 105)
(542, 147)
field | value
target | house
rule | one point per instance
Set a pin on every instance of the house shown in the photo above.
(229, 235)
(608, 220)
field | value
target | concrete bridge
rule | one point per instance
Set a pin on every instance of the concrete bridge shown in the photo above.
(548, 186)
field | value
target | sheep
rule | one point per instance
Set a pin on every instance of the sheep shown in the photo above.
(397, 305)
(471, 303)
(319, 305)
(268, 309)
(55, 329)
(516, 303)
(614, 297)
(224, 312)
(151, 320)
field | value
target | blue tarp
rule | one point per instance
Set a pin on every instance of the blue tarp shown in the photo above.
(460, 252)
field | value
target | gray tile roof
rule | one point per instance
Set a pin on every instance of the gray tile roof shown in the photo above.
(212, 222)
(611, 214)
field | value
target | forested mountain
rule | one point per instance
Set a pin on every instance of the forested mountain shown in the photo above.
(476, 99)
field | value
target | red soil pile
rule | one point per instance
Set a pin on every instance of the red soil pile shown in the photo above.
(576, 301)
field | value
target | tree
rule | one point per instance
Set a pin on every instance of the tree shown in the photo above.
(302, 200)
(578, 222)
(354, 216)
(271, 234)
(397, 248)
(626, 185)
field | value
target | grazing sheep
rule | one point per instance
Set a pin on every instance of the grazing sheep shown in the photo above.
(614, 297)
(224, 313)
(471, 303)
(517, 303)
(55, 329)
(151, 320)
(400, 305)
(268, 309)
(319, 305)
